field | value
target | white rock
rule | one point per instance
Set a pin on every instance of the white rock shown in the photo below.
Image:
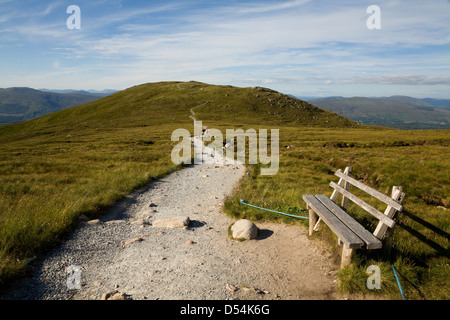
(244, 229)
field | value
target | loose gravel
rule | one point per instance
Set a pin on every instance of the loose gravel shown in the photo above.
(123, 252)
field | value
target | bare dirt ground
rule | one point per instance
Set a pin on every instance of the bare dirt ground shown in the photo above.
(123, 252)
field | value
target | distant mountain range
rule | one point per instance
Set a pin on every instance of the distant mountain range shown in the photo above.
(100, 93)
(400, 112)
(21, 104)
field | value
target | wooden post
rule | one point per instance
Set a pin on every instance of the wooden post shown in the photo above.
(381, 228)
(341, 183)
(312, 220)
(346, 256)
(387, 247)
(316, 227)
(348, 171)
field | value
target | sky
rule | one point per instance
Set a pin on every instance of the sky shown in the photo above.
(307, 48)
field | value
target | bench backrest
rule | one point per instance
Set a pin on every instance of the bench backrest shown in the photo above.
(393, 203)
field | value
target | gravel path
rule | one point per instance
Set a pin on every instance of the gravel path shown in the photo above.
(195, 262)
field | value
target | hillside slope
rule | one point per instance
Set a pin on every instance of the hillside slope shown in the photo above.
(171, 102)
(397, 111)
(82, 159)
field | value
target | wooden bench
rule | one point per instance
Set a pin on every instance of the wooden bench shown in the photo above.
(349, 232)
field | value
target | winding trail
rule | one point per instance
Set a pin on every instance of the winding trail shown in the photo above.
(192, 110)
(194, 262)
(123, 252)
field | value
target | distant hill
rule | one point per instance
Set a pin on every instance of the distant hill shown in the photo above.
(99, 93)
(151, 102)
(21, 104)
(438, 103)
(400, 112)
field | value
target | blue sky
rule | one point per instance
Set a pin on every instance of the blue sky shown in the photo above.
(300, 47)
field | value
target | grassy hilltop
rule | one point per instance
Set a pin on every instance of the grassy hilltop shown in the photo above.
(83, 159)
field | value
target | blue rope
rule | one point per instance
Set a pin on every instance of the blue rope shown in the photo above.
(30, 260)
(398, 282)
(286, 214)
(295, 216)
(250, 205)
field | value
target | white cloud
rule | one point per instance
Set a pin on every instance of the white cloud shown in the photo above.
(50, 8)
(399, 80)
(258, 8)
(284, 43)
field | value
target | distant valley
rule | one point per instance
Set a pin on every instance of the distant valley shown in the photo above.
(399, 112)
(21, 104)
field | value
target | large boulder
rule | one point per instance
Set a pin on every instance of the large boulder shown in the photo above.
(244, 229)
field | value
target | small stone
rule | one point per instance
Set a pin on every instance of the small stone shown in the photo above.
(93, 222)
(143, 221)
(172, 223)
(151, 273)
(152, 205)
(194, 261)
(231, 288)
(189, 242)
(118, 296)
(252, 290)
(247, 290)
(114, 295)
(130, 241)
(106, 296)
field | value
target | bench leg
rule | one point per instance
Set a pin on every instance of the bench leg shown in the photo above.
(346, 256)
(316, 227)
(312, 220)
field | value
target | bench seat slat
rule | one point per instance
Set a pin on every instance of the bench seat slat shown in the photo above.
(380, 196)
(350, 239)
(385, 219)
(371, 241)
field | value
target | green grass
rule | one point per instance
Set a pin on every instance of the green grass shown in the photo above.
(420, 242)
(78, 161)
(83, 159)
